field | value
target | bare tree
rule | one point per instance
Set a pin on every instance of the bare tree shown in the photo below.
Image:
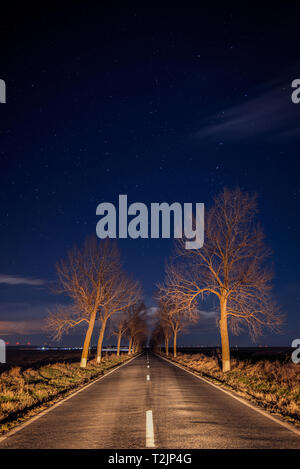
(140, 339)
(157, 337)
(84, 276)
(136, 326)
(119, 328)
(121, 292)
(172, 319)
(165, 320)
(233, 265)
(167, 331)
(62, 319)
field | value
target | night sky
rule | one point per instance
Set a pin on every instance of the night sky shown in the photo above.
(164, 105)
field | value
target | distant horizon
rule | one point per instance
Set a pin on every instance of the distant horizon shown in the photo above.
(94, 347)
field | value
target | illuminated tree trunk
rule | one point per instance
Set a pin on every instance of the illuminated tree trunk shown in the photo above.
(100, 341)
(224, 336)
(129, 346)
(175, 344)
(119, 342)
(87, 341)
(167, 345)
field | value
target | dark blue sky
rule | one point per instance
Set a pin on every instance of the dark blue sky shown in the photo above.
(161, 104)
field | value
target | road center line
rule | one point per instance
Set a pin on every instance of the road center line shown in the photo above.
(149, 430)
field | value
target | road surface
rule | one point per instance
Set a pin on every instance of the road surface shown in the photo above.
(156, 405)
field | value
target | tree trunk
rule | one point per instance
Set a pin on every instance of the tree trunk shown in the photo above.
(87, 340)
(224, 336)
(119, 342)
(100, 341)
(129, 346)
(175, 344)
(167, 345)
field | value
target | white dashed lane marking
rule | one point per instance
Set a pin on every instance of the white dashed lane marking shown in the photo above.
(149, 430)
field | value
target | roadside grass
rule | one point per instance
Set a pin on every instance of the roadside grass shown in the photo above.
(25, 392)
(273, 385)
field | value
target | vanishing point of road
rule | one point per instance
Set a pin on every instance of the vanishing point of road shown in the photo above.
(151, 403)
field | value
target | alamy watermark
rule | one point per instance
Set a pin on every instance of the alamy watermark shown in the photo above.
(295, 96)
(2, 91)
(296, 353)
(186, 223)
(2, 351)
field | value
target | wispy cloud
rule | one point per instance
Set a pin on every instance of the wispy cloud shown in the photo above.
(269, 113)
(33, 326)
(17, 280)
(207, 314)
(24, 318)
(151, 311)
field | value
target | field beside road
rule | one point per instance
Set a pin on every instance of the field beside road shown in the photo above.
(39, 381)
(271, 380)
(34, 357)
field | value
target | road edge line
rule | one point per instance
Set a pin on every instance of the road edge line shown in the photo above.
(240, 399)
(41, 414)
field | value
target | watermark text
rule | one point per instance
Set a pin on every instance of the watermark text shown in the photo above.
(186, 223)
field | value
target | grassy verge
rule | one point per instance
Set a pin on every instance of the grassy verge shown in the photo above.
(273, 386)
(25, 392)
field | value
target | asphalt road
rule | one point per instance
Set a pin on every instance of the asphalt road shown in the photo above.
(168, 409)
